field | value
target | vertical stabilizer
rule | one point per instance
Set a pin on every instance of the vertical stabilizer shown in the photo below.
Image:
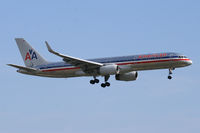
(30, 57)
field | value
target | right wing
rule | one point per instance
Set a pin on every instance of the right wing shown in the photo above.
(84, 64)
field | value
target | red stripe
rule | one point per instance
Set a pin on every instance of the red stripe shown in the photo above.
(142, 62)
(60, 69)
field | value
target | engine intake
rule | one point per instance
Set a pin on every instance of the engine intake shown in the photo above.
(130, 76)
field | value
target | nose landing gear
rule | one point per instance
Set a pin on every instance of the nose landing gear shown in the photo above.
(169, 77)
(170, 73)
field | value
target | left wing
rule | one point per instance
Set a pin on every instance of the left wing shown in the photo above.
(84, 64)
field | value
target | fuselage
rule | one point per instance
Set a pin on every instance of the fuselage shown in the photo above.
(125, 63)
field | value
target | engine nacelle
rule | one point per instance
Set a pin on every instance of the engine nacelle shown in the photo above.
(130, 76)
(109, 70)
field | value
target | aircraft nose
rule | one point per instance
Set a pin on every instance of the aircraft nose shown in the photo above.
(189, 62)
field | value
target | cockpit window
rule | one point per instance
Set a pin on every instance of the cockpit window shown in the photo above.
(182, 57)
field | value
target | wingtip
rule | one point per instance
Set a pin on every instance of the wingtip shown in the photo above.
(48, 47)
(18, 38)
(9, 64)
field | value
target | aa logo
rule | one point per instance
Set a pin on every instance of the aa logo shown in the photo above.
(30, 55)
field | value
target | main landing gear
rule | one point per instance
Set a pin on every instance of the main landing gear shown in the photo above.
(94, 81)
(106, 83)
(170, 73)
(103, 84)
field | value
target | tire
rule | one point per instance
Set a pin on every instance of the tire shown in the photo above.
(169, 77)
(103, 85)
(107, 84)
(96, 81)
(92, 82)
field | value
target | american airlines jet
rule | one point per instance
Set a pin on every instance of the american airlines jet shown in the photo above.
(125, 68)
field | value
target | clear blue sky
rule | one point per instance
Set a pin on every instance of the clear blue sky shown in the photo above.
(100, 28)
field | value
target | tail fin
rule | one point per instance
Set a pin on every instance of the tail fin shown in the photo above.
(30, 56)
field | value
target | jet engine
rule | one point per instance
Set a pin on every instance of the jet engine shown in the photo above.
(130, 76)
(109, 70)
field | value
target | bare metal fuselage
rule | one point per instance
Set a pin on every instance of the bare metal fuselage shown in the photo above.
(72, 71)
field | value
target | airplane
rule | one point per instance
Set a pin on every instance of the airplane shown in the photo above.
(125, 68)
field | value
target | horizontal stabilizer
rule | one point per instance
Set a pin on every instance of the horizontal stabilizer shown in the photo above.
(23, 68)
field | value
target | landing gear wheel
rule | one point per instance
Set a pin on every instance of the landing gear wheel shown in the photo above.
(107, 84)
(170, 73)
(169, 77)
(92, 82)
(96, 81)
(103, 85)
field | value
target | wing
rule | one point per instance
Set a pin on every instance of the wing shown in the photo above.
(84, 64)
